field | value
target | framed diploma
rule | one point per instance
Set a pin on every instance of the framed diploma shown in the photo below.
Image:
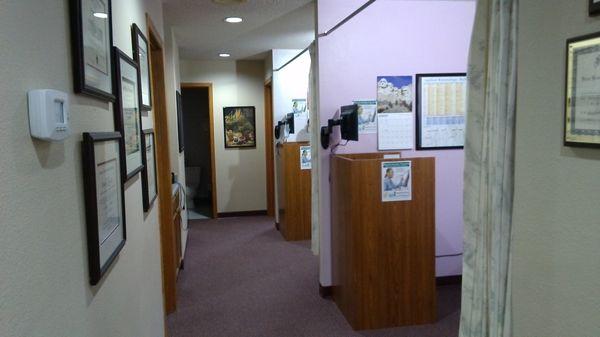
(441, 111)
(582, 103)
(127, 114)
(104, 201)
(149, 173)
(180, 136)
(91, 39)
(140, 55)
(594, 8)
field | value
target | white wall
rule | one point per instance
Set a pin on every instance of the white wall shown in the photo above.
(555, 263)
(289, 83)
(44, 284)
(241, 173)
(269, 67)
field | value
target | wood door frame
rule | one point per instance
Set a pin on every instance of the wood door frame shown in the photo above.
(161, 129)
(213, 158)
(269, 153)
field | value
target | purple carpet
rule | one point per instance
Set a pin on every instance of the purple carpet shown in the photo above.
(242, 279)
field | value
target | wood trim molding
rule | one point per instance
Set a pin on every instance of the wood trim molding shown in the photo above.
(152, 28)
(196, 85)
(161, 128)
(270, 151)
(243, 213)
(213, 158)
(325, 292)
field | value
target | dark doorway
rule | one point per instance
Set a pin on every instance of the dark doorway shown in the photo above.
(198, 154)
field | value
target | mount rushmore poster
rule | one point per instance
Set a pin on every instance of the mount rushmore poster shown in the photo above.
(394, 94)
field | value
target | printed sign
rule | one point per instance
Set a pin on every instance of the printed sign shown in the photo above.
(396, 181)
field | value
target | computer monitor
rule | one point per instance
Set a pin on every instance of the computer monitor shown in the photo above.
(289, 120)
(349, 122)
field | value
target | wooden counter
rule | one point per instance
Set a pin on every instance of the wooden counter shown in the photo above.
(294, 193)
(383, 252)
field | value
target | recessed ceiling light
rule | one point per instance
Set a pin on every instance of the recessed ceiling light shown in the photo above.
(233, 19)
(224, 55)
(101, 15)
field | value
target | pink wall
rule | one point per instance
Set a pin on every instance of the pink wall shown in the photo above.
(394, 37)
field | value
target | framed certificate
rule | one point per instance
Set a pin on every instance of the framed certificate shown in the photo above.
(104, 201)
(441, 111)
(180, 136)
(91, 38)
(140, 55)
(149, 190)
(127, 114)
(582, 102)
(594, 8)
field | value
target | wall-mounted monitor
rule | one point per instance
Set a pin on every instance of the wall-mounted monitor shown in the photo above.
(289, 120)
(348, 123)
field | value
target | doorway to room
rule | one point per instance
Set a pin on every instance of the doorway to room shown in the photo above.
(196, 101)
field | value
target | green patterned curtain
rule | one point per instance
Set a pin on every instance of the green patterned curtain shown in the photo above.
(489, 171)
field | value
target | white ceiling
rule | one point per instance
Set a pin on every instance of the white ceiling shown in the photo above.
(268, 24)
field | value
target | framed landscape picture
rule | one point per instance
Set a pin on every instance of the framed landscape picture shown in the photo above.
(104, 200)
(239, 125)
(127, 113)
(140, 56)
(91, 42)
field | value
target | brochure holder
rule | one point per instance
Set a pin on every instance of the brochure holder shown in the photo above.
(383, 253)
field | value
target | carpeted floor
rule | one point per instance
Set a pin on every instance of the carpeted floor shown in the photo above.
(242, 279)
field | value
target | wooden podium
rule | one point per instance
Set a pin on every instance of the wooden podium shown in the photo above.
(383, 252)
(294, 193)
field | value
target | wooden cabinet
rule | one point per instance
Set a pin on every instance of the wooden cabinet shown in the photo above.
(383, 252)
(294, 193)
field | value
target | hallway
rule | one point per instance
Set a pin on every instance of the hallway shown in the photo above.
(242, 279)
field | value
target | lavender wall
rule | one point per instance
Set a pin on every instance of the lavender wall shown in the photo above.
(394, 37)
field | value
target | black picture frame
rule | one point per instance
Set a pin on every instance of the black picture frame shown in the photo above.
(419, 112)
(119, 115)
(594, 7)
(97, 269)
(570, 139)
(230, 136)
(147, 198)
(137, 38)
(78, 44)
(180, 135)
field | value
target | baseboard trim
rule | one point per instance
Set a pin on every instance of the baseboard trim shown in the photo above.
(325, 292)
(244, 213)
(448, 280)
